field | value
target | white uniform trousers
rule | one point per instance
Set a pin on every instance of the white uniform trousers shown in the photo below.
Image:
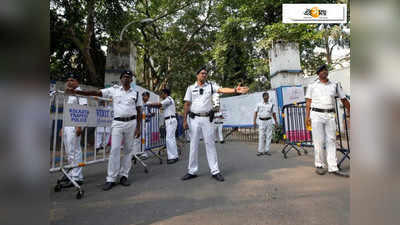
(170, 126)
(218, 131)
(264, 135)
(324, 133)
(116, 165)
(73, 150)
(203, 125)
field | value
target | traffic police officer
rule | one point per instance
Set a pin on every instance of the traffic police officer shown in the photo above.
(72, 135)
(126, 124)
(320, 113)
(168, 104)
(264, 111)
(198, 106)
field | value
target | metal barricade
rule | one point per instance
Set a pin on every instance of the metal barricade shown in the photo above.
(296, 134)
(243, 133)
(59, 108)
(153, 131)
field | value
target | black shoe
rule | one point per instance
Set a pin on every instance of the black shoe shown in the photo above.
(320, 171)
(108, 185)
(260, 154)
(188, 176)
(339, 174)
(124, 181)
(267, 153)
(222, 142)
(172, 161)
(218, 177)
(216, 141)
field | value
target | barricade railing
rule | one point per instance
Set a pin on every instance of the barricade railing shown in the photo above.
(296, 134)
(63, 114)
(153, 131)
(246, 133)
(93, 115)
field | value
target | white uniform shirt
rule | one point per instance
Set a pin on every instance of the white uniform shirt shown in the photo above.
(323, 94)
(201, 103)
(265, 110)
(218, 120)
(77, 100)
(168, 105)
(124, 102)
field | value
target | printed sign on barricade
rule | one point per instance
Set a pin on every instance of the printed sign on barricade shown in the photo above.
(87, 116)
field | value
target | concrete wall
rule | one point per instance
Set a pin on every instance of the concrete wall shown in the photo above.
(284, 57)
(287, 79)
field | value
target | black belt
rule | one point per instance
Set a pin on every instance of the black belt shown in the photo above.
(267, 118)
(169, 117)
(125, 119)
(323, 110)
(202, 114)
(219, 122)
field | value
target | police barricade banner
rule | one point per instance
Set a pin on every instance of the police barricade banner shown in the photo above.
(87, 116)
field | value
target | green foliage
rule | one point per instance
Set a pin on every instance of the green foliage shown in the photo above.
(277, 134)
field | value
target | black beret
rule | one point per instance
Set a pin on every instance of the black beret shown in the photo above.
(127, 72)
(323, 67)
(202, 68)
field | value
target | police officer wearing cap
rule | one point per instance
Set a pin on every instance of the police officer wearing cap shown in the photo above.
(72, 135)
(320, 114)
(198, 107)
(265, 110)
(168, 104)
(126, 124)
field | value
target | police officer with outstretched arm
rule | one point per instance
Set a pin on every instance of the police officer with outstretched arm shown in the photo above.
(320, 114)
(199, 108)
(126, 124)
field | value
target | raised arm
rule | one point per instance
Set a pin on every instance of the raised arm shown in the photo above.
(85, 93)
(239, 89)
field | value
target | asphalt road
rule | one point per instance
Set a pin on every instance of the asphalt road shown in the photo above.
(256, 191)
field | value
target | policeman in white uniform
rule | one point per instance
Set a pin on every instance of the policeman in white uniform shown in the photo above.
(320, 113)
(198, 106)
(72, 136)
(168, 105)
(265, 110)
(218, 123)
(126, 124)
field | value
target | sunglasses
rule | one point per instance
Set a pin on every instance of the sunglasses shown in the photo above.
(201, 91)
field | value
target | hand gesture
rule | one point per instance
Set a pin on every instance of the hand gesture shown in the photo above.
(242, 90)
(69, 90)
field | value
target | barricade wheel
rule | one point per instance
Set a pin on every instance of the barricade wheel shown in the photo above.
(146, 170)
(284, 156)
(160, 161)
(305, 152)
(57, 188)
(80, 194)
(298, 153)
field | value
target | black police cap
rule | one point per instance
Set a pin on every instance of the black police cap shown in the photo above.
(323, 67)
(127, 72)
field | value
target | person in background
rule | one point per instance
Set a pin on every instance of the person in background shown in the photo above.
(265, 110)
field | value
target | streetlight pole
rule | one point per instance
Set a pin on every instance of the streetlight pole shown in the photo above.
(143, 21)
